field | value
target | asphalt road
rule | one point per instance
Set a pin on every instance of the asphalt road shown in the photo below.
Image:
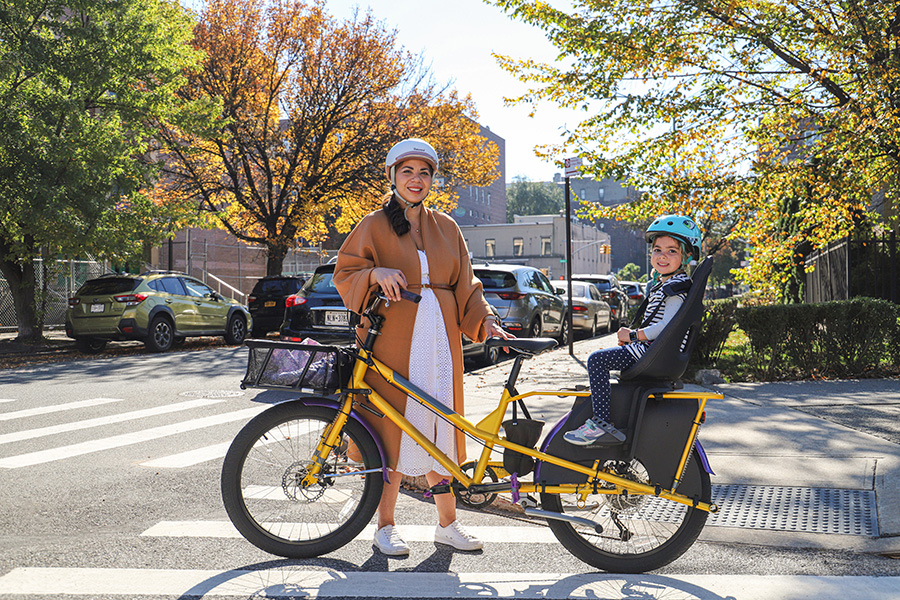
(109, 479)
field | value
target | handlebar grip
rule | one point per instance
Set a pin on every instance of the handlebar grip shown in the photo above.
(412, 297)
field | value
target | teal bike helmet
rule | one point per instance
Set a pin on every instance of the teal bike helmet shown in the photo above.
(680, 227)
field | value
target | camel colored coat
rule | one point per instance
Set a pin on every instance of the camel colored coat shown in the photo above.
(373, 243)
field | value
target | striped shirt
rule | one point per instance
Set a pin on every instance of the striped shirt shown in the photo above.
(660, 310)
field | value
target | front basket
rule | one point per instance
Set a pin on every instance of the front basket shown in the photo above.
(311, 368)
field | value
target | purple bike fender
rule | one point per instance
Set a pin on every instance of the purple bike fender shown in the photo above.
(703, 459)
(329, 403)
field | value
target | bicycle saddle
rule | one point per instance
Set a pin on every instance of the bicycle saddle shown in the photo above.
(524, 345)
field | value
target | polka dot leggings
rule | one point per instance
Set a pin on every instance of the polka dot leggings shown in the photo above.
(599, 364)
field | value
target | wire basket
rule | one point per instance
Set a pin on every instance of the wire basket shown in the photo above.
(308, 367)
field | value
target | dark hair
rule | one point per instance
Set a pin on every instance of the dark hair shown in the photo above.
(395, 215)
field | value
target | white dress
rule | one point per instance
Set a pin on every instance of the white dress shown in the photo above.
(431, 369)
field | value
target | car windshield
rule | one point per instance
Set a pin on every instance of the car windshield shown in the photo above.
(111, 285)
(602, 285)
(496, 279)
(321, 282)
(276, 287)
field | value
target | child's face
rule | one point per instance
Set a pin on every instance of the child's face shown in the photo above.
(665, 255)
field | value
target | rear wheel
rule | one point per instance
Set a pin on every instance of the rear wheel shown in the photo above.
(564, 331)
(593, 332)
(534, 330)
(640, 532)
(161, 336)
(263, 471)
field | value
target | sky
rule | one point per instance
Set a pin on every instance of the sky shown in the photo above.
(457, 38)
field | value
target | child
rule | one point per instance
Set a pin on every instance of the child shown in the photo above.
(674, 240)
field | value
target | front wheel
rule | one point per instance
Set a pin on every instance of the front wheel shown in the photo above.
(263, 471)
(236, 330)
(640, 533)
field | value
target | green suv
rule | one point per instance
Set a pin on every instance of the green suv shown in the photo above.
(159, 308)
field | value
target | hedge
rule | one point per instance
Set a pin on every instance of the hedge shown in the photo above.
(847, 338)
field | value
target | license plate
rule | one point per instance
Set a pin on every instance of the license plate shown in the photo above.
(270, 304)
(337, 317)
(98, 308)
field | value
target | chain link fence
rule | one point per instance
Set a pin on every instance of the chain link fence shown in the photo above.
(63, 278)
(230, 268)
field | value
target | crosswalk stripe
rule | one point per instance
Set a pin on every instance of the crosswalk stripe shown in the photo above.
(125, 439)
(291, 581)
(199, 455)
(7, 400)
(29, 434)
(43, 410)
(411, 533)
(189, 458)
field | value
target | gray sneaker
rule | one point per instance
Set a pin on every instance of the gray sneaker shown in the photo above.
(596, 432)
(389, 542)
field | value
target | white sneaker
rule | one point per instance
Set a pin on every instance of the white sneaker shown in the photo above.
(454, 535)
(389, 542)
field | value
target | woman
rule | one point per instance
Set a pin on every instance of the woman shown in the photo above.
(406, 245)
(674, 240)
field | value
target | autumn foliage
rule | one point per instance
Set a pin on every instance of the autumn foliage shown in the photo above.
(775, 122)
(309, 106)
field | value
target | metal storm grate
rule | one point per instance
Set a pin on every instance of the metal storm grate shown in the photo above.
(812, 510)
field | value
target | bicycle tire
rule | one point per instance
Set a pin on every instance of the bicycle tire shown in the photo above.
(267, 459)
(640, 533)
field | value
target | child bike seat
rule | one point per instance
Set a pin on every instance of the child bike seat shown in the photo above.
(665, 360)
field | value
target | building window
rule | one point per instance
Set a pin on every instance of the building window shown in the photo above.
(582, 196)
(518, 247)
(545, 246)
(601, 194)
(489, 199)
(489, 248)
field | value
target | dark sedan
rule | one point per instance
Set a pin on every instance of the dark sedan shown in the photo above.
(318, 312)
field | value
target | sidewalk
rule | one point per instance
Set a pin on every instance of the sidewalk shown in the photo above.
(792, 477)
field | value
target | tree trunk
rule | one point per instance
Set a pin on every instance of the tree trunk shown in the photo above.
(22, 282)
(275, 259)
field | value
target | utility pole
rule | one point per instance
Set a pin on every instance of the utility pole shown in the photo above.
(572, 168)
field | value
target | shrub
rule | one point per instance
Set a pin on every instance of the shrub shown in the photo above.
(843, 339)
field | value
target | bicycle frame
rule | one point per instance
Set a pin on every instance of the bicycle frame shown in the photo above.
(487, 431)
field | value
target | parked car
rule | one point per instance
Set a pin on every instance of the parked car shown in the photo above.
(635, 292)
(479, 353)
(612, 293)
(525, 301)
(317, 311)
(159, 308)
(266, 301)
(589, 311)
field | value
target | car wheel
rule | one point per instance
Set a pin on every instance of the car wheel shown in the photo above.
(236, 331)
(594, 327)
(564, 331)
(491, 356)
(161, 336)
(608, 328)
(535, 329)
(90, 345)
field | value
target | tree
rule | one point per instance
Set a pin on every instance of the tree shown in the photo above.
(310, 107)
(525, 197)
(631, 272)
(723, 110)
(81, 82)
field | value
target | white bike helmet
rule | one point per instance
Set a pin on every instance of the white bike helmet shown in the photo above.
(410, 148)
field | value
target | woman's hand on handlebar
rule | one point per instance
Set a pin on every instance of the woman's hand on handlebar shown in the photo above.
(390, 280)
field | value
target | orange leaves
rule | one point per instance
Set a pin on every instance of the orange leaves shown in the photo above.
(310, 106)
